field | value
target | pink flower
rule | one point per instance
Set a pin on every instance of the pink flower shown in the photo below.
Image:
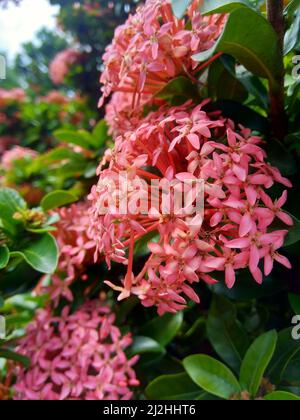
(77, 356)
(60, 65)
(76, 248)
(183, 145)
(15, 154)
(153, 47)
(6, 142)
(12, 95)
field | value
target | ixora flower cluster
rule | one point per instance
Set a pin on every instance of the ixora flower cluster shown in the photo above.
(180, 144)
(76, 250)
(153, 47)
(9, 100)
(60, 65)
(13, 155)
(77, 356)
(186, 144)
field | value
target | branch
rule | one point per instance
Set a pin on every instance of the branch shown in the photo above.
(277, 100)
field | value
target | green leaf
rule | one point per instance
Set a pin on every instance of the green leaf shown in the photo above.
(100, 134)
(143, 345)
(179, 7)
(78, 138)
(282, 158)
(173, 387)
(56, 199)
(294, 233)
(292, 373)
(4, 256)
(163, 329)
(252, 41)
(180, 87)
(10, 202)
(41, 254)
(222, 84)
(240, 114)
(212, 376)
(257, 360)
(292, 35)
(291, 7)
(222, 6)
(254, 86)
(286, 351)
(16, 357)
(295, 303)
(17, 281)
(226, 335)
(281, 396)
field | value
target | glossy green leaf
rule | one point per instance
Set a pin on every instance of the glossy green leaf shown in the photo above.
(212, 376)
(100, 134)
(179, 7)
(56, 199)
(222, 6)
(16, 357)
(294, 233)
(292, 36)
(291, 7)
(180, 87)
(19, 280)
(164, 329)
(41, 253)
(292, 372)
(240, 114)
(173, 387)
(74, 137)
(281, 396)
(222, 84)
(10, 202)
(251, 40)
(287, 350)
(225, 334)
(257, 360)
(143, 345)
(4, 256)
(295, 303)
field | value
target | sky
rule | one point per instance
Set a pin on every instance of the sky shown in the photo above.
(19, 24)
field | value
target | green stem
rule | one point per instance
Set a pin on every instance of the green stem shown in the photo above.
(277, 99)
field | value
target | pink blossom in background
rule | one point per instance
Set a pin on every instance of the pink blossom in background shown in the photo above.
(60, 65)
(6, 142)
(77, 356)
(76, 249)
(15, 154)
(153, 47)
(11, 95)
(55, 97)
(181, 143)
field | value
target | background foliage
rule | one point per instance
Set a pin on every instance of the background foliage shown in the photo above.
(236, 344)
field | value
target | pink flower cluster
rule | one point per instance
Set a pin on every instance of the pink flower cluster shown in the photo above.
(76, 249)
(6, 142)
(77, 356)
(12, 95)
(60, 65)
(153, 47)
(185, 143)
(15, 154)
(55, 97)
